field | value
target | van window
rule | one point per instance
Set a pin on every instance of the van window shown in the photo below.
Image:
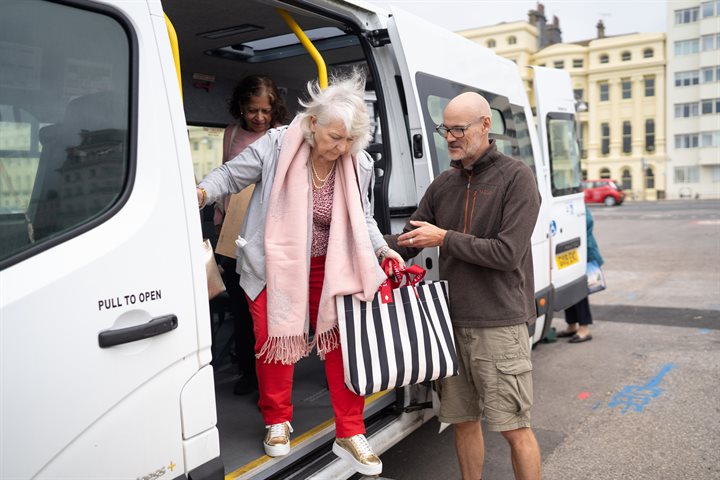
(63, 121)
(437, 92)
(522, 134)
(564, 152)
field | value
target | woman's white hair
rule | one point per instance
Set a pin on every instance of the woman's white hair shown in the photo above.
(343, 100)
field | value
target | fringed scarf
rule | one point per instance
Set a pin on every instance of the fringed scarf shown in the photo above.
(350, 264)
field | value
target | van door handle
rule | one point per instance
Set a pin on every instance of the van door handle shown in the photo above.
(156, 326)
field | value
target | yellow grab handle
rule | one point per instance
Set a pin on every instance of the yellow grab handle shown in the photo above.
(175, 50)
(305, 41)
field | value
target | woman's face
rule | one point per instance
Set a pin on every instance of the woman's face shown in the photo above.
(332, 140)
(258, 113)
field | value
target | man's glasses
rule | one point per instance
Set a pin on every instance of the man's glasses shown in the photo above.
(457, 132)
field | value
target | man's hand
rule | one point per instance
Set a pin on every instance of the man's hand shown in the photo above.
(424, 236)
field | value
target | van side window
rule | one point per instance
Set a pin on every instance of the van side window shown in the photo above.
(436, 93)
(522, 134)
(566, 176)
(64, 102)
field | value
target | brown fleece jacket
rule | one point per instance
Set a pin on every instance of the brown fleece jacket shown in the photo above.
(489, 210)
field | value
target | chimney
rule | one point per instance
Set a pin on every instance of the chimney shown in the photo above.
(600, 29)
(537, 14)
(537, 18)
(554, 34)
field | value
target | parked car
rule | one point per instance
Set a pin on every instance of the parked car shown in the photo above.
(603, 191)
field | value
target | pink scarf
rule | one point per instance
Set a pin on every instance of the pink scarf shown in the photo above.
(350, 265)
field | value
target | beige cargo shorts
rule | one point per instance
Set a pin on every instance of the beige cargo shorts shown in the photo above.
(494, 381)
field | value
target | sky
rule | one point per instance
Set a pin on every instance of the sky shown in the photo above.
(577, 17)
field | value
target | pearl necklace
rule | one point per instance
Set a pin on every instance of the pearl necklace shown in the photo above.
(320, 181)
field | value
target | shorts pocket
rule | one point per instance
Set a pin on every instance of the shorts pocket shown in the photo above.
(515, 392)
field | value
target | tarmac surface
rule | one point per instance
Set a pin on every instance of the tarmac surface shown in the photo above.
(639, 401)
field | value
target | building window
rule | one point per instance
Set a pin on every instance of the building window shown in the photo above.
(626, 88)
(604, 58)
(648, 53)
(710, 106)
(649, 86)
(691, 77)
(578, 94)
(626, 178)
(687, 174)
(578, 63)
(710, 42)
(604, 92)
(604, 172)
(710, 74)
(687, 15)
(687, 140)
(710, 139)
(491, 43)
(649, 178)
(625, 56)
(627, 137)
(605, 138)
(558, 64)
(512, 40)
(687, 47)
(710, 9)
(685, 110)
(649, 135)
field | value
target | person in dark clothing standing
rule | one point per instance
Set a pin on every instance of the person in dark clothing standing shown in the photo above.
(481, 213)
(579, 317)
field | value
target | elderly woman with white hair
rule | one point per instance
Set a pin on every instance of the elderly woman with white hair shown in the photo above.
(309, 220)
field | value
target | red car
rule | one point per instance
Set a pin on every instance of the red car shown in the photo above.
(604, 191)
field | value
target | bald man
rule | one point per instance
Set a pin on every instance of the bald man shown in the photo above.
(481, 213)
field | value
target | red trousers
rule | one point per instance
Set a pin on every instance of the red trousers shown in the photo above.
(275, 379)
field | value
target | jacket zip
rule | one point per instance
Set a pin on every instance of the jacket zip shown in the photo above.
(467, 200)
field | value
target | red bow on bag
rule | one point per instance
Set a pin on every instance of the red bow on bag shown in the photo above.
(412, 275)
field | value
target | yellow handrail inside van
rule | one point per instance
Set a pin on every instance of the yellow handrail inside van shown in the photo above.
(305, 41)
(175, 50)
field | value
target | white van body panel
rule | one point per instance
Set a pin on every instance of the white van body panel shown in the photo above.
(425, 49)
(553, 94)
(80, 404)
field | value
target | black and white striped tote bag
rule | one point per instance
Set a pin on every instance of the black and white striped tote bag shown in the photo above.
(406, 341)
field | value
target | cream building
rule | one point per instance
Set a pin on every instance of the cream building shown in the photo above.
(693, 87)
(619, 83)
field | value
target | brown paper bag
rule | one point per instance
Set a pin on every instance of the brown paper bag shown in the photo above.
(215, 283)
(233, 221)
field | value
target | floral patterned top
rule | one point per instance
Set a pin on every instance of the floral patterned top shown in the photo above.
(322, 214)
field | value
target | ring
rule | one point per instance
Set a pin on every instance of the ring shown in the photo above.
(411, 240)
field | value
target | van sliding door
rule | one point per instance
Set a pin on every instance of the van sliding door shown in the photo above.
(557, 132)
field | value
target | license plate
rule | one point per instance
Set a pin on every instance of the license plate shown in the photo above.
(568, 258)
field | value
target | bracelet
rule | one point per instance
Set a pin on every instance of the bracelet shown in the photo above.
(203, 201)
(383, 251)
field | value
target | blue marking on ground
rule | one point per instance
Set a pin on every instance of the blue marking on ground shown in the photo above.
(631, 296)
(597, 405)
(704, 331)
(637, 397)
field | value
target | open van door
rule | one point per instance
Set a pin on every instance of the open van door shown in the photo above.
(104, 332)
(434, 65)
(558, 139)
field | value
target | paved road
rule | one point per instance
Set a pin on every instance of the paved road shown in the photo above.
(639, 401)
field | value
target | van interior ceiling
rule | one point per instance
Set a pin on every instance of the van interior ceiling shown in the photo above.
(225, 41)
(219, 44)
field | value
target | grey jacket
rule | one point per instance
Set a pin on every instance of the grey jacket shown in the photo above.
(256, 164)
